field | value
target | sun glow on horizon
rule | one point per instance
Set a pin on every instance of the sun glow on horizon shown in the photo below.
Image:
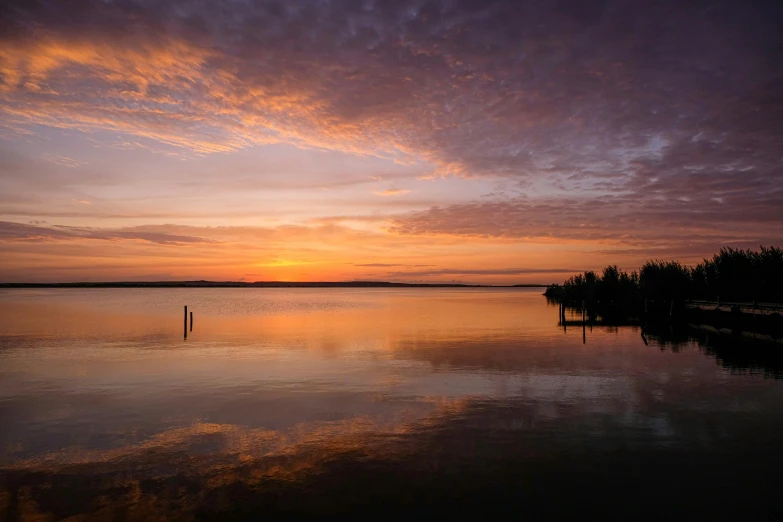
(329, 141)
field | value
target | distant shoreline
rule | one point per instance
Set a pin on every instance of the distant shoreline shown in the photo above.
(257, 284)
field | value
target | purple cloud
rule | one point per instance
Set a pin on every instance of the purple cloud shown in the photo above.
(645, 124)
(37, 232)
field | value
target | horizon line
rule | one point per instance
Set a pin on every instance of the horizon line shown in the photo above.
(206, 283)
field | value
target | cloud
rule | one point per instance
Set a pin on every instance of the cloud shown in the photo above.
(322, 252)
(377, 265)
(63, 160)
(483, 272)
(664, 210)
(391, 192)
(38, 232)
(385, 265)
(574, 91)
(617, 122)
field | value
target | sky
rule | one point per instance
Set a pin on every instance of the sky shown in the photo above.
(495, 142)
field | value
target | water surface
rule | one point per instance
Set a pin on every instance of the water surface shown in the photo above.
(372, 403)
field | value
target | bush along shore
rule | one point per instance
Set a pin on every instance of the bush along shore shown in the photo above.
(738, 289)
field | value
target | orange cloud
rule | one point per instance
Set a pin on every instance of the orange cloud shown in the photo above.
(45, 252)
(391, 192)
(600, 142)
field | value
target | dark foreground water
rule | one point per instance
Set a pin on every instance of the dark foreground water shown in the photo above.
(373, 404)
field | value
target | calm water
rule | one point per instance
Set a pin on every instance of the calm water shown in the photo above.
(442, 403)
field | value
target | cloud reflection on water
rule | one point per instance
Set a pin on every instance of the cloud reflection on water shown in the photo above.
(357, 400)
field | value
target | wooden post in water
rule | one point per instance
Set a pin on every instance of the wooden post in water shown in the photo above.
(191, 321)
(186, 321)
(584, 333)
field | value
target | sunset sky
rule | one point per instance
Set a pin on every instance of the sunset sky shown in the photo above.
(470, 141)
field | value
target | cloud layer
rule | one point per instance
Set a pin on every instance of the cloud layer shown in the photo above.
(615, 122)
(478, 87)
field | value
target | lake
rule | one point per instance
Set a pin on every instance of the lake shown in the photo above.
(373, 404)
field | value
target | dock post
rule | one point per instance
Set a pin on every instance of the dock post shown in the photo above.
(186, 321)
(191, 321)
(584, 333)
(584, 317)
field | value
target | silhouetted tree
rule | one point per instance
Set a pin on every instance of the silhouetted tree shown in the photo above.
(744, 275)
(732, 274)
(664, 280)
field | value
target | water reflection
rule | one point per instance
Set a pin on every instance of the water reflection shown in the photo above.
(734, 352)
(374, 403)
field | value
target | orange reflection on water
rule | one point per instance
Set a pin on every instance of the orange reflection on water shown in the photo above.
(282, 394)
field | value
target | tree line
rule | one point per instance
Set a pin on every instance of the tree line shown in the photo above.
(731, 275)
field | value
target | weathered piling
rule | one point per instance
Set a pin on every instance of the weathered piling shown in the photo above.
(584, 331)
(191, 321)
(186, 321)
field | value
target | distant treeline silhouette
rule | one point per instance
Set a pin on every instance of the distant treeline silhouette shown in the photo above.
(731, 275)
